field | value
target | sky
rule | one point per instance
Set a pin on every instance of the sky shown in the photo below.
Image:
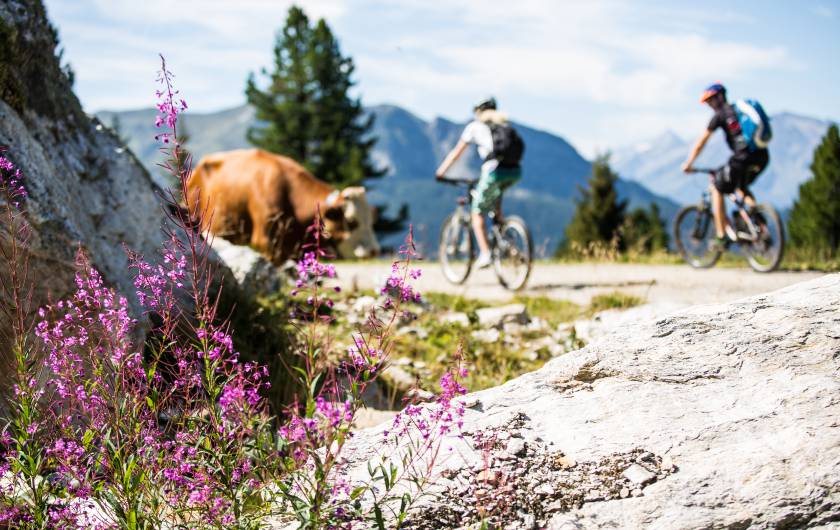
(601, 73)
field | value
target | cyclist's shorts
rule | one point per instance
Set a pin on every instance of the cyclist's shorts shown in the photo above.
(741, 171)
(490, 187)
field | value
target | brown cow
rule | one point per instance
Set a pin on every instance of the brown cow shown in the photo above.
(251, 196)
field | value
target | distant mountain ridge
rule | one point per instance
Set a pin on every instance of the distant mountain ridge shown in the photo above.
(656, 163)
(411, 148)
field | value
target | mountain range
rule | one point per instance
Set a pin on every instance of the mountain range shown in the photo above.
(411, 148)
(656, 163)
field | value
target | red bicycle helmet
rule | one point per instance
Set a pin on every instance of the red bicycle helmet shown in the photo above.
(712, 90)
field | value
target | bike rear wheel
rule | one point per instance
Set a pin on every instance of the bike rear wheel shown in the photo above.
(455, 249)
(694, 235)
(513, 254)
(765, 252)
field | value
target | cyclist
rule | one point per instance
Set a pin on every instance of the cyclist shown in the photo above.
(496, 176)
(743, 167)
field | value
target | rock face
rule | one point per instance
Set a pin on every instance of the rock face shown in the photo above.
(715, 416)
(85, 189)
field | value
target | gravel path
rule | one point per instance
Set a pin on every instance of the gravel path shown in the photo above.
(674, 285)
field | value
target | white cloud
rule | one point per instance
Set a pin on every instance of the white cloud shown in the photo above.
(598, 71)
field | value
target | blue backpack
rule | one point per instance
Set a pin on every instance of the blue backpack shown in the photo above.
(755, 125)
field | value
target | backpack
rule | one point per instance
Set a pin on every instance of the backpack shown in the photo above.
(755, 125)
(507, 145)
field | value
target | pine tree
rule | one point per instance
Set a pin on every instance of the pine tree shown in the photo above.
(306, 111)
(814, 223)
(599, 213)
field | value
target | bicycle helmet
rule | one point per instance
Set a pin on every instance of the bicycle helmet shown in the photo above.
(711, 91)
(484, 104)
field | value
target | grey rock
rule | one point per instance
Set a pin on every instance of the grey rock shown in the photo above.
(486, 335)
(418, 331)
(498, 316)
(85, 190)
(748, 414)
(456, 318)
(363, 304)
(252, 271)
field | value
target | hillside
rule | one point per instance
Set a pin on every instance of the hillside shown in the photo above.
(656, 163)
(411, 149)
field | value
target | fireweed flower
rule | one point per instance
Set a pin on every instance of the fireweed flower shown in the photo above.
(398, 287)
(11, 183)
(438, 418)
(169, 105)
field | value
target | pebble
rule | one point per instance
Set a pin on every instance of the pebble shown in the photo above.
(624, 493)
(489, 476)
(544, 489)
(638, 475)
(564, 461)
(515, 447)
(528, 521)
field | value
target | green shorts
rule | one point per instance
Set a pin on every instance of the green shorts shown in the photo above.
(490, 186)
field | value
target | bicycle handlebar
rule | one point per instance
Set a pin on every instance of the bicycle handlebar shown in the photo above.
(710, 171)
(456, 181)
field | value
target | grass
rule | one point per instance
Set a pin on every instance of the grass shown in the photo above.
(613, 300)
(793, 260)
(552, 311)
(491, 363)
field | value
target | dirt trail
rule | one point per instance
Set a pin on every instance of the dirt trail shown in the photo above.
(672, 285)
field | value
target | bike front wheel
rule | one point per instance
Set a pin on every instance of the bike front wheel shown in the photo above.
(694, 235)
(764, 252)
(455, 249)
(513, 254)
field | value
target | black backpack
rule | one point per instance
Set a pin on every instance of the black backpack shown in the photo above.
(507, 145)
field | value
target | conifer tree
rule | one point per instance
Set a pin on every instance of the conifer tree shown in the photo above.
(814, 223)
(306, 111)
(599, 213)
(644, 230)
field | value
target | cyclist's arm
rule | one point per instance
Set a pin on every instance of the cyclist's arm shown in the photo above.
(697, 149)
(450, 159)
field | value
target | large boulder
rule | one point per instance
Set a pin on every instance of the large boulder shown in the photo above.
(85, 189)
(718, 416)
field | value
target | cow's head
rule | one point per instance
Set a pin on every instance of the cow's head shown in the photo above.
(349, 220)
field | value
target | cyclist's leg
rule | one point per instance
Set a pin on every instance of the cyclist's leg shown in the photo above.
(507, 178)
(755, 164)
(722, 184)
(482, 202)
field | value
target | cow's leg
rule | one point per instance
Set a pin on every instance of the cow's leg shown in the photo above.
(260, 236)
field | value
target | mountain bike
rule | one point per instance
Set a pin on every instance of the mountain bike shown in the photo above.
(759, 232)
(510, 243)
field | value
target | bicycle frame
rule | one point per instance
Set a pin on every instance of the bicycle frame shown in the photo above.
(738, 199)
(494, 234)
